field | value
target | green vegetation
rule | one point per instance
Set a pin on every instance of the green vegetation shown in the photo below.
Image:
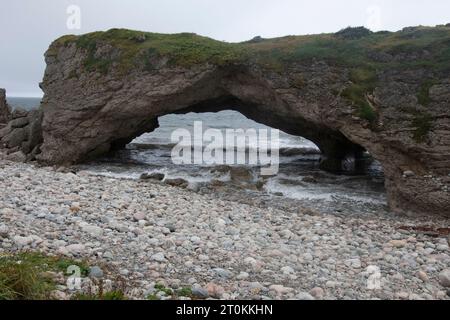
(353, 33)
(363, 83)
(424, 92)
(152, 297)
(352, 47)
(162, 288)
(182, 292)
(422, 124)
(134, 47)
(363, 52)
(24, 276)
(93, 62)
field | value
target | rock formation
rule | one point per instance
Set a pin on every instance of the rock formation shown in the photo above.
(21, 132)
(387, 93)
(5, 110)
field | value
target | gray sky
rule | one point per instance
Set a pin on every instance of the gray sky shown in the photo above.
(27, 27)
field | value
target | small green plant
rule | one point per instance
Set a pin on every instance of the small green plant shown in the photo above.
(184, 292)
(422, 124)
(148, 57)
(152, 297)
(23, 275)
(93, 63)
(23, 280)
(162, 288)
(363, 82)
(423, 95)
(366, 112)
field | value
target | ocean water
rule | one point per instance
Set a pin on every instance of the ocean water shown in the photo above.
(25, 103)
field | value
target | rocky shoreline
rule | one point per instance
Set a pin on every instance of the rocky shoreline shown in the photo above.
(156, 237)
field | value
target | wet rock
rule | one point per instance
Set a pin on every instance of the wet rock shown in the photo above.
(310, 179)
(241, 174)
(181, 183)
(153, 176)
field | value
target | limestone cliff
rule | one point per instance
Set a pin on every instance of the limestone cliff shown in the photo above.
(387, 93)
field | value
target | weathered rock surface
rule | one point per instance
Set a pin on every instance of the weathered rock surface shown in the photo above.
(104, 89)
(22, 135)
(5, 110)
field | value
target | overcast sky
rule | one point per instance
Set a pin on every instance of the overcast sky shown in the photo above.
(27, 27)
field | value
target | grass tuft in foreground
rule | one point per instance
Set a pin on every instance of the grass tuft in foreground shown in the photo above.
(24, 276)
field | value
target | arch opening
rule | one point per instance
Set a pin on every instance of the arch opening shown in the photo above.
(301, 172)
(337, 153)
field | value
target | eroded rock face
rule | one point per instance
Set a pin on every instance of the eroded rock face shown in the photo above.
(5, 110)
(21, 132)
(93, 104)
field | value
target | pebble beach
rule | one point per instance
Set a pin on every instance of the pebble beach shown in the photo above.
(149, 234)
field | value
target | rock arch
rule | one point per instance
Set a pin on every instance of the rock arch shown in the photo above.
(100, 94)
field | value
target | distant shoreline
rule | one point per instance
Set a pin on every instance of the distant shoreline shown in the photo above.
(27, 103)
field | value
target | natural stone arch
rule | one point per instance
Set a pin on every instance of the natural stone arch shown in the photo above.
(104, 89)
(219, 89)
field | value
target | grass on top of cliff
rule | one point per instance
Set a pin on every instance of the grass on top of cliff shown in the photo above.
(363, 52)
(352, 47)
(184, 49)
